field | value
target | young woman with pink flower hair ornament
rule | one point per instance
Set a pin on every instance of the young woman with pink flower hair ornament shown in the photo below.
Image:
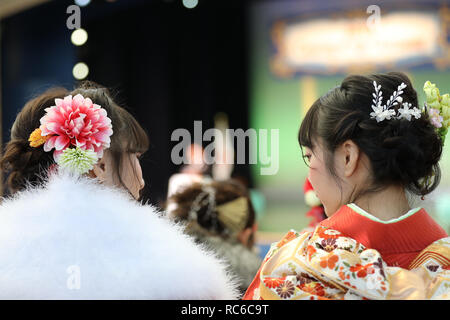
(73, 228)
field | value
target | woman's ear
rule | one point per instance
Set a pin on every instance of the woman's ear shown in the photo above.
(350, 156)
(244, 236)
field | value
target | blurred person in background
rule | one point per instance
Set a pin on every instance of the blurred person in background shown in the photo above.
(220, 216)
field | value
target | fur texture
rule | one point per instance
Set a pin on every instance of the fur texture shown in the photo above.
(243, 262)
(75, 239)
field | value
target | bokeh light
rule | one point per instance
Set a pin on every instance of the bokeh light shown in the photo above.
(80, 71)
(79, 37)
(190, 4)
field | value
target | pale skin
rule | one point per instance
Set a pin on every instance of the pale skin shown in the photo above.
(352, 166)
(130, 172)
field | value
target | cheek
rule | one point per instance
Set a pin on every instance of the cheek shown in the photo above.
(316, 175)
(325, 187)
(318, 182)
(133, 177)
(139, 174)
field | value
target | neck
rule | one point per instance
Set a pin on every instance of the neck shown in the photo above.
(390, 203)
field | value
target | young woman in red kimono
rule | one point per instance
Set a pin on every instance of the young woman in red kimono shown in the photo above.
(366, 154)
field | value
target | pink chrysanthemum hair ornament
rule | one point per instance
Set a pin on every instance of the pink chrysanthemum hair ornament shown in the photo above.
(78, 129)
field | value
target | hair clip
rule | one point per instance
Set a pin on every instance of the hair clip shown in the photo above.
(383, 112)
(78, 129)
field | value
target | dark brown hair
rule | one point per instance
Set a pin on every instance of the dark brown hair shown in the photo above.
(401, 152)
(27, 165)
(24, 163)
(225, 191)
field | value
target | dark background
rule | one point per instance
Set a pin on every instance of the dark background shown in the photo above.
(168, 65)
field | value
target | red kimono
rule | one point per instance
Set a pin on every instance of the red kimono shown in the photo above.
(398, 241)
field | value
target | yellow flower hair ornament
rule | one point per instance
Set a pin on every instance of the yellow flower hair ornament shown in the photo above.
(36, 138)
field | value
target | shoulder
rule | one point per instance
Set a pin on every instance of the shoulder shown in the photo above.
(123, 249)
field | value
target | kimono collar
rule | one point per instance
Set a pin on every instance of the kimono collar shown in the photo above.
(413, 231)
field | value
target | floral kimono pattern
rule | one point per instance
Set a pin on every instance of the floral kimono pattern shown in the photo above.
(324, 264)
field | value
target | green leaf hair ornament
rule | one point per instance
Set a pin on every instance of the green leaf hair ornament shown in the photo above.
(438, 109)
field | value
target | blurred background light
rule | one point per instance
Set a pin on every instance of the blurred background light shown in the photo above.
(190, 4)
(80, 71)
(82, 3)
(79, 37)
